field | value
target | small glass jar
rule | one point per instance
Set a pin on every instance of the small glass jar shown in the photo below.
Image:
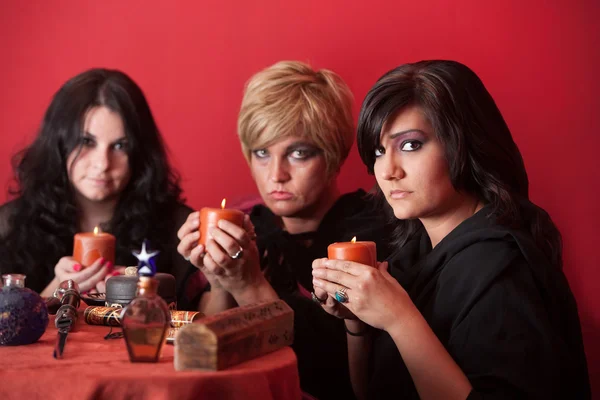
(145, 322)
(23, 313)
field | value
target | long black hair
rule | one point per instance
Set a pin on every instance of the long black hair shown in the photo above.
(43, 217)
(482, 157)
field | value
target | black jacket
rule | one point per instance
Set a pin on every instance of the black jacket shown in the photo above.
(503, 312)
(320, 339)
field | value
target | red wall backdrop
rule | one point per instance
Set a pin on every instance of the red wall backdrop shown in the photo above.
(538, 58)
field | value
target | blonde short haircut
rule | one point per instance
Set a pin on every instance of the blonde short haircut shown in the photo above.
(291, 99)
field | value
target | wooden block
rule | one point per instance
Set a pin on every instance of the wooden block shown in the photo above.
(228, 338)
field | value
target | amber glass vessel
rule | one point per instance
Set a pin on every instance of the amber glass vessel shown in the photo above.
(145, 322)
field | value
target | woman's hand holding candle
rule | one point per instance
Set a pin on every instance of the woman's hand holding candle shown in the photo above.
(359, 252)
(374, 296)
(209, 217)
(357, 285)
(194, 235)
(330, 305)
(328, 302)
(87, 278)
(190, 249)
(241, 276)
(220, 242)
(188, 235)
(225, 240)
(90, 246)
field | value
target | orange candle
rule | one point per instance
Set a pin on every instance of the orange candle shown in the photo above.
(210, 216)
(89, 246)
(360, 252)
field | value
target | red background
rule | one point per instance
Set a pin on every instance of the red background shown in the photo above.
(539, 59)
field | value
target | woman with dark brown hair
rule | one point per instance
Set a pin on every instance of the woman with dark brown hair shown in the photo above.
(474, 302)
(98, 160)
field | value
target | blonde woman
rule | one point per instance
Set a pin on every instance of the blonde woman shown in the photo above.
(296, 130)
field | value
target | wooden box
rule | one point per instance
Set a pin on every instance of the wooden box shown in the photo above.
(219, 341)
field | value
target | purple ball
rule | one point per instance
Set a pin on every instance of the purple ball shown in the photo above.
(23, 316)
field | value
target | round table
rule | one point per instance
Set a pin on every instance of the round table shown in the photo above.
(95, 368)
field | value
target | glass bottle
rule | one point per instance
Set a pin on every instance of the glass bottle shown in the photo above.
(23, 313)
(145, 322)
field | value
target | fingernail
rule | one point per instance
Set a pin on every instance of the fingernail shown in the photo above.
(76, 267)
(115, 273)
(195, 223)
(109, 266)
(316, 282)
(317, 272)
(101, 260)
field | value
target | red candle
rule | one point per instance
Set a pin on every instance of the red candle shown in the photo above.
(360, 252)
(89, 246)
(210, 216)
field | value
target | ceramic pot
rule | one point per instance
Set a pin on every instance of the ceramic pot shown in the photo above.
(23, 312)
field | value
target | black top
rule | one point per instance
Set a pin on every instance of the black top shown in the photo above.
(320, 339)
(167, 261)
(502, 311)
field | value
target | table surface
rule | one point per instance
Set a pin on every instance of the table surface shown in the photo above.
(95, 368)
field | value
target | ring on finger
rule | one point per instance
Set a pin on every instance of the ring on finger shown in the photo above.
(316, 299)
(238, 255)
(341, 295)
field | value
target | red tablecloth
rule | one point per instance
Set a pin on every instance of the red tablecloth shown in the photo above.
(94, 368)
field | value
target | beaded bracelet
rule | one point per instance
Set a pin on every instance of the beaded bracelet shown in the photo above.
(359, 333)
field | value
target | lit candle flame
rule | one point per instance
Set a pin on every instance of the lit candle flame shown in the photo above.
(96, 230)
(223, 203)
(353, 239)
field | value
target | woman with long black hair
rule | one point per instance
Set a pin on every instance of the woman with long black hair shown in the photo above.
(98, 160)
(474, 302)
